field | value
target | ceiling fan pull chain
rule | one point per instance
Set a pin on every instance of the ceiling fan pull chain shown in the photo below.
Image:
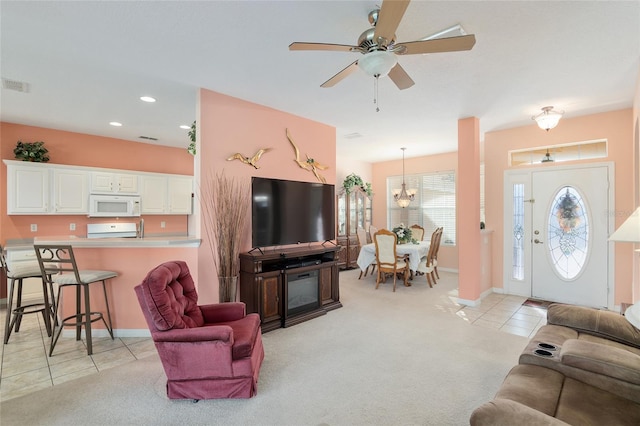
(375, 95)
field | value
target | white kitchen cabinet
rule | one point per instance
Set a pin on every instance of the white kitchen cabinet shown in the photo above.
(27, 188)
(165, 194)
(179, 190)
(70, 191)
(113, 183)
(153, 194)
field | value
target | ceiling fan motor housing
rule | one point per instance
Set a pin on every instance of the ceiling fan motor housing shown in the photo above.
(367, 44)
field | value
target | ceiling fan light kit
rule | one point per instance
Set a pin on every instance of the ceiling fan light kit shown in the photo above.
(548, 118)
(378, 63)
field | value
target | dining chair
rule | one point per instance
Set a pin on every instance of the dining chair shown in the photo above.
(372, 231)
(417, 232)
(58, 264)
(387, 259)
(436, 250)
(362, 240)
(426, 265)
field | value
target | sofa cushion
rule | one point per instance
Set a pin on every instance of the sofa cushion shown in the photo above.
(534, 386)
(607, 324)
(171, 297)
(605, 360)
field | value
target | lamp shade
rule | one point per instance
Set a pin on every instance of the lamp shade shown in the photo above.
(629, 231)
(378, 63)
(548, 118)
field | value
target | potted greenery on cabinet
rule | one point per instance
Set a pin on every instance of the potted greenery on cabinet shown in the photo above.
(31, 151)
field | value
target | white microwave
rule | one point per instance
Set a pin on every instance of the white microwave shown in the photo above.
(114, 205)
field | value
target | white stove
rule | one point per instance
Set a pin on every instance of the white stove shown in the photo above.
(112, 230)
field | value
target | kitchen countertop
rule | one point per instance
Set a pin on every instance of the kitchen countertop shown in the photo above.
(83, 242)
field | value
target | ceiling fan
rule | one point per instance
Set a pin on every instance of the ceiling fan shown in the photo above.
(379, 47)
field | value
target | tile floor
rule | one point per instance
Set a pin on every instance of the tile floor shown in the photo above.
(25, 366)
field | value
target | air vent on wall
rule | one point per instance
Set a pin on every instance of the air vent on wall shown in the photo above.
(149, 138)
(18, 86)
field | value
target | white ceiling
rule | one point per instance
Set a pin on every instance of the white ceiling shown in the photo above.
(88, 62)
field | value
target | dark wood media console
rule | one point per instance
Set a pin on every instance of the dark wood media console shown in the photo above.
(289, 286)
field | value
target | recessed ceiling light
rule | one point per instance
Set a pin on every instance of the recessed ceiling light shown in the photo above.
(185, 127)
(115, 124)
(147, 99)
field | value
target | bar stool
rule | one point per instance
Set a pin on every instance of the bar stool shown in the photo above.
(17, 273)
(60, 258)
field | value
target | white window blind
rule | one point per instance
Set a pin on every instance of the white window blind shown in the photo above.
(434, 205)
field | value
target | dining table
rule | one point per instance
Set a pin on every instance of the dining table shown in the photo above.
(415, 253)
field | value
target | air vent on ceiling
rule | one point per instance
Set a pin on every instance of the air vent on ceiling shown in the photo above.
(149, 138)
(353, 135)
(18, 86)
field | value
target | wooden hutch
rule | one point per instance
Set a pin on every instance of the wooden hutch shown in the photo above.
(353, 211)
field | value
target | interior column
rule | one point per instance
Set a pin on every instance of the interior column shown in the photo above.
(468, 211)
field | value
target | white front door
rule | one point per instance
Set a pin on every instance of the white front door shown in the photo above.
(556, 230)
(570, 231)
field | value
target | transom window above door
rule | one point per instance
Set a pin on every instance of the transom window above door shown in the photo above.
(559, 153)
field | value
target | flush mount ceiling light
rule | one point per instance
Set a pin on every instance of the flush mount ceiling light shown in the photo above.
(147, 99)
(185, 127)
(548, 118)
(115, 124)
(402, 196)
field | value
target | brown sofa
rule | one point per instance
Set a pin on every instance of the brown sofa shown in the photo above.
(582, 368)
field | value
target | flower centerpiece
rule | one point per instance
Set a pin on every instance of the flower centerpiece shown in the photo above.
(404, 234)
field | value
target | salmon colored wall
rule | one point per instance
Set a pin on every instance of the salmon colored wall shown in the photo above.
(228, 125)
(448, 255)
(614, 126)
(86, 150)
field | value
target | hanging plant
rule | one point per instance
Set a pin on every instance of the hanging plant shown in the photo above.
(31, 151)
(354, 180)
(192, 137)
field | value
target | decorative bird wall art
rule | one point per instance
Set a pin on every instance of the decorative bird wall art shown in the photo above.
(310, 164)
(252, 161)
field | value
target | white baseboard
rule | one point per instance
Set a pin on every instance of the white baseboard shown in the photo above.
(101, 332)
(482, 296)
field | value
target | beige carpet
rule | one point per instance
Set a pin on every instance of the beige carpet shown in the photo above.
(385, 358)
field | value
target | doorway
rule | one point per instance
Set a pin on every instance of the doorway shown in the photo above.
(555, 234)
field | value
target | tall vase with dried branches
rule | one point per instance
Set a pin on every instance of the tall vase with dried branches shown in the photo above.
(225, 202)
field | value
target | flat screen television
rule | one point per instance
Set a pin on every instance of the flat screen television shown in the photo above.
(290, 212)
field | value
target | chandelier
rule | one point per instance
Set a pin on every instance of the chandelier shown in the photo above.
(402, 196)
(548, 118)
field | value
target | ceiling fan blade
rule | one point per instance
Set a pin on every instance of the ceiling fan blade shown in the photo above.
(321, 46)
(400, 77)
(341, 75)
(389, 18)
(437, 45)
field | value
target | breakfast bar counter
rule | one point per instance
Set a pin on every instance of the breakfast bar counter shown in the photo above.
(132, 259)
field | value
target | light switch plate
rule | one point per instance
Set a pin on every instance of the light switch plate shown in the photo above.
(34, 227)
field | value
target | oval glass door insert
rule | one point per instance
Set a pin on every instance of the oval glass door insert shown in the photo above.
(568, 233)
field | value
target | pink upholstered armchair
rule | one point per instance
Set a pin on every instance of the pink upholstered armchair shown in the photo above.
(208, 351)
